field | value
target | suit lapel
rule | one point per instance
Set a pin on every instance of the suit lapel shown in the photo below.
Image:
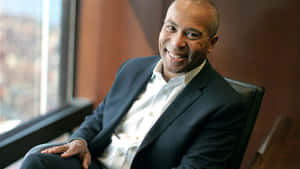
(186, 98)
(139, 83)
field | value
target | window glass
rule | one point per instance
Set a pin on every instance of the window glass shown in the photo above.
(30, 60)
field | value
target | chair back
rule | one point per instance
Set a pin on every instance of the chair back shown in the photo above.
(254, 95)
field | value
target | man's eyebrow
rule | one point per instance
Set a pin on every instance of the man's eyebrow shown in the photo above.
(170, 22)
(187, 29)
(194, 30)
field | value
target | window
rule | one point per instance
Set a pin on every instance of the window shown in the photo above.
(36, 58)
(37, 44)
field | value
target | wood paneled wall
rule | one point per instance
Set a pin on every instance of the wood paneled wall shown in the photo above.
(259, 43)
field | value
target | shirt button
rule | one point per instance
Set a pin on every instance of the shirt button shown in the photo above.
(164, 91)
(151, 114)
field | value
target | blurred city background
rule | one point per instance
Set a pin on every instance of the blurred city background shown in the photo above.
(23, 28)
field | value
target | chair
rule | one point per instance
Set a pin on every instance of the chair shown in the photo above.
(254, 95)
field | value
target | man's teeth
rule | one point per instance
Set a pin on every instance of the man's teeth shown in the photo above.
(174, 56)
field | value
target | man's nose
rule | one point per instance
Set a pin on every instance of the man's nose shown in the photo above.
(179, 41)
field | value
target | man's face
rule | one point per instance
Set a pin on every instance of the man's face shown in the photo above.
(184, 40)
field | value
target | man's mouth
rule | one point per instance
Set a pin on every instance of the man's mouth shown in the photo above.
(175, 58)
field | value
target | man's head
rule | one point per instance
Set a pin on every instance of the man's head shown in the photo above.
(188, 35)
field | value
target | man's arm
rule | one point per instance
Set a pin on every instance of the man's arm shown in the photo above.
(91, 126)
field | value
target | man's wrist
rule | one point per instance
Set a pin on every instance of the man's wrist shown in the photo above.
(81, 140)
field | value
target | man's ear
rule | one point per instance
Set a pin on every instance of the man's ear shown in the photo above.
(212, 42)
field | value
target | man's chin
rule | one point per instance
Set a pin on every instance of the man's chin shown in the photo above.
(176, 71)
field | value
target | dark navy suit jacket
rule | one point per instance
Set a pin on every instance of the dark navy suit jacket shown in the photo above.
(198, 130)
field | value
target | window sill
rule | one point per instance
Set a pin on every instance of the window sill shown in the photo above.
(42, 129)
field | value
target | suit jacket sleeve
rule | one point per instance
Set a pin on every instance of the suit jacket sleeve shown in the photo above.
(91, 126)
(93, 123)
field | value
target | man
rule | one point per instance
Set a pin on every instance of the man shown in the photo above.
(172, 111)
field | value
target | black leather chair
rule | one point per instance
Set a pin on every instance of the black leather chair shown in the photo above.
(254, 95)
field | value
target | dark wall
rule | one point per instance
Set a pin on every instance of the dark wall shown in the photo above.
(259, 43)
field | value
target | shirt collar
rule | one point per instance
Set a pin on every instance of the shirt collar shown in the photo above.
(186, 76)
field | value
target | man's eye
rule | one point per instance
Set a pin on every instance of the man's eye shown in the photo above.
(192, 35)
(170, 28)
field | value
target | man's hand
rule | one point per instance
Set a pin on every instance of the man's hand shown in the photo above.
(75, 147)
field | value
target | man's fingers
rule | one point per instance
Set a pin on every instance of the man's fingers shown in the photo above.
(70, 152)
(55, 150)
(75, 147)
(86, 160)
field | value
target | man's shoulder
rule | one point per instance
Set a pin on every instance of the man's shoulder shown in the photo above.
(220, 87)
(227, 93)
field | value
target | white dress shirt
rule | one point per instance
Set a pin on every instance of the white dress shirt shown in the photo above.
(142, 115)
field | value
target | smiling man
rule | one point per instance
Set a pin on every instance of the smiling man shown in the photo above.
(162, 112)
(187, 36)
